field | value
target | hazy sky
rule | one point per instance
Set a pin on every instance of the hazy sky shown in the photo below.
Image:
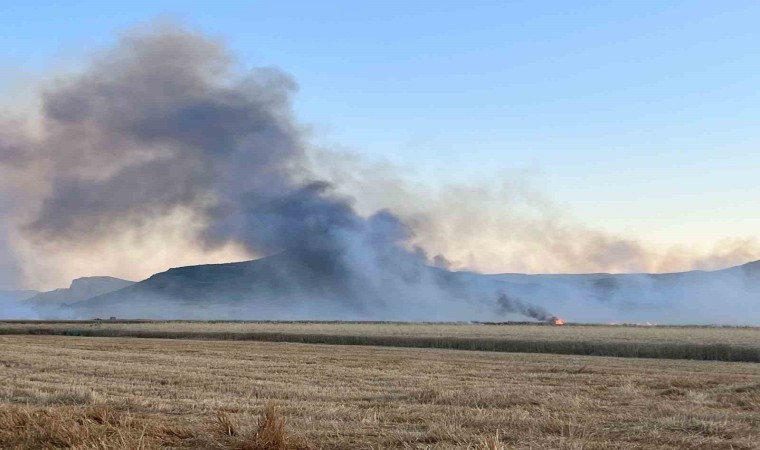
(637, 117)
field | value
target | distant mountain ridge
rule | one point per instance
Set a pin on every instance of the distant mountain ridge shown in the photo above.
(14, 296)
(287, 286)
(80, 289)
(275, 282)
(750, 269)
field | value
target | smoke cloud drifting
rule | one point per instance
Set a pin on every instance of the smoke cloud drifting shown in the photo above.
(161, 152)
(163, 124)
(508, 304)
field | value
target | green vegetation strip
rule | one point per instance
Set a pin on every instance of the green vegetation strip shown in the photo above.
(708, 352)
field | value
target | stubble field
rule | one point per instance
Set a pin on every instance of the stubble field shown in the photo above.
(95, 392)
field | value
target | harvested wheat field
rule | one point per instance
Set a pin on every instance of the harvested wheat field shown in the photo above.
(84, 392)
(672, 342)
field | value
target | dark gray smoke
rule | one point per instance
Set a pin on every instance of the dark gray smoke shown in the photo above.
(163, 123)
(507, 304)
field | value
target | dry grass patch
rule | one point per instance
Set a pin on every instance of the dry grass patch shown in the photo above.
(97, 427)
(102, 427)
(269, 434)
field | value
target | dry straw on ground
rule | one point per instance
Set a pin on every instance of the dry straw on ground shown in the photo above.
(144, 393)
(104, 427)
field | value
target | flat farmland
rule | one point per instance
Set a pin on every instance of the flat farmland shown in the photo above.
(674, 342)
(94, 392)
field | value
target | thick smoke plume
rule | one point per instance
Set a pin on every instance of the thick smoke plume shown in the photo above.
(507, 304)
(163, 124)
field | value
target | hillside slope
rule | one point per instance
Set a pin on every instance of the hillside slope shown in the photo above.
(47, 304)
(15, 296)
(288, 287)
(284, 286)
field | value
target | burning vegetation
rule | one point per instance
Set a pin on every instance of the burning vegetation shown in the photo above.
(509, 304)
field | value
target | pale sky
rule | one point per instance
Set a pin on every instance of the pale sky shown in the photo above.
(635, 117)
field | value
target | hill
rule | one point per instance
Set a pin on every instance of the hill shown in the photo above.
(289, 286)
(286, 285)
(48, 303)
(15, 296)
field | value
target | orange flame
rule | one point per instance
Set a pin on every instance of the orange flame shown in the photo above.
(556, 321)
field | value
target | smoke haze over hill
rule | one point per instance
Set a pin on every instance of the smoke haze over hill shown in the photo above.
(163, 123)
(162, 152)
